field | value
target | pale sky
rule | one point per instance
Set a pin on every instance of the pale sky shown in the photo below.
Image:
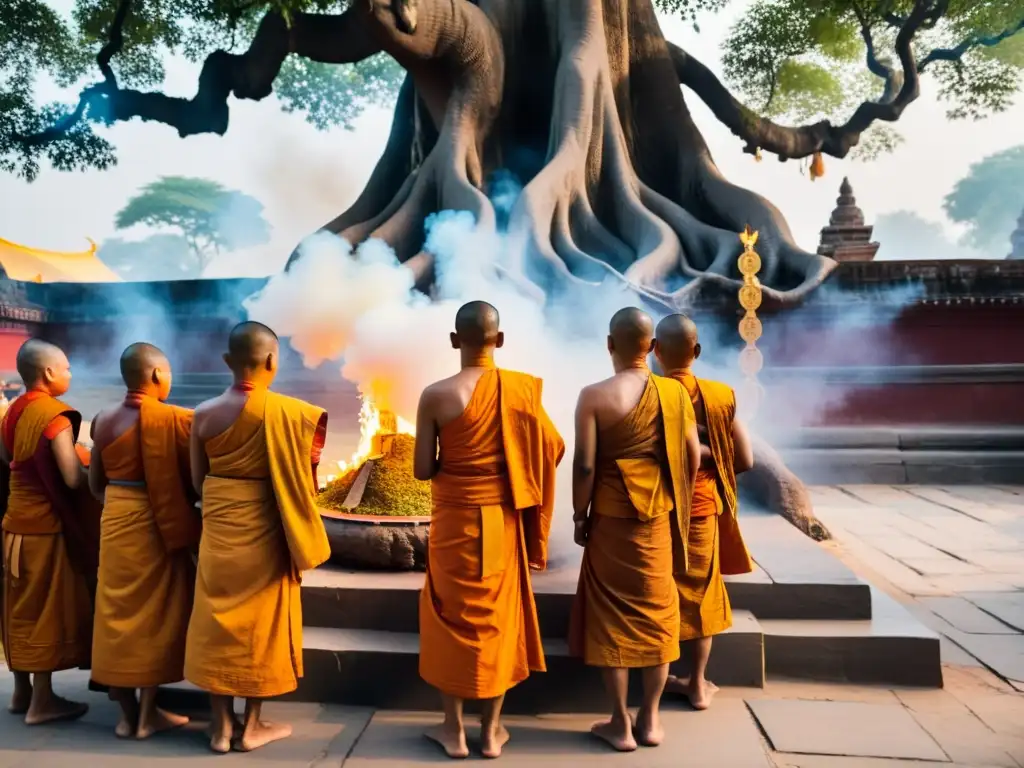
(305, 177)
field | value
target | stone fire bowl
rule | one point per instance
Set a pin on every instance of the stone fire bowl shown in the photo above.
(377, 542)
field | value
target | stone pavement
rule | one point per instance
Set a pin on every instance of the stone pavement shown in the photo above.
(952, 555)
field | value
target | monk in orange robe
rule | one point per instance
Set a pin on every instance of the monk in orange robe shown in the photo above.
(150, 529)
(714, 546)
(635, 462)
(254, 454)
(490, 451)
(49, 551)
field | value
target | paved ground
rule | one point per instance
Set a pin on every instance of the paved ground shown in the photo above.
(955, 556)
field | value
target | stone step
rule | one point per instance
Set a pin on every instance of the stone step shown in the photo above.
(381, 669)
(817, 466)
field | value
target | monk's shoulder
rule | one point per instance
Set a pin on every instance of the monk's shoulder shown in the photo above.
(525, 383)
(203, 414)
(718, 392)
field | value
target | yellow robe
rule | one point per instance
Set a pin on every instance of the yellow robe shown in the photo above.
(492, 504)
(626, 610)
(47, 607)
(148, 532)
(703, 599)
(260, 530)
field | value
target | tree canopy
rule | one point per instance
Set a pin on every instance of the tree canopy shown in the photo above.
(989, 200)
(207, 216)
(847, 69)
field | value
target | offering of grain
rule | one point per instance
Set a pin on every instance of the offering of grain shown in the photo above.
(391, 488)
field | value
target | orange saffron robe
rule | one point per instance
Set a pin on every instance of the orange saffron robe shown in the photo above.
(626, 610)
(493, 500)
(261, 529)
(715, 544)
(147, 536)
(47, 606)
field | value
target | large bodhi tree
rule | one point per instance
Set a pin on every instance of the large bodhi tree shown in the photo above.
(579, 99)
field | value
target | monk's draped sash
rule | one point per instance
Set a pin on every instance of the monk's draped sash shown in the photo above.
(626, 610)
(493, 499)
(149, 530)
(260, 530)
(720, 411)
(50, 544)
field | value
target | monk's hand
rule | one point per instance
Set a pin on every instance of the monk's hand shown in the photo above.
(580, 530)
(707, 461)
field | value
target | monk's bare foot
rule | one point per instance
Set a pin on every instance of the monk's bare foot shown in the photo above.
(20, 701)
(261, 734)
(220, 743)
(54, 710)
(452, 742)
(125, 728)
(161, 721)
(681, 685)
(493, 740)
(618, 735)
(700, 693)
(648, 730)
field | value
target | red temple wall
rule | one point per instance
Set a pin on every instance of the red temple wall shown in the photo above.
(11, 339)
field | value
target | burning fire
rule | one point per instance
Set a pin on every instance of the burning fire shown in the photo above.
(371, 423)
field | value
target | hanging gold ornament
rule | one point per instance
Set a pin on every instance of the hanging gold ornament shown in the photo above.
(751, 361)
(757, 154)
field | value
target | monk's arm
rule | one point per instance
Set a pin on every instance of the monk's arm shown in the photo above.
(584, 458)
(742, 448)
(319, 441)
(66, 456)
(198, 463)
(4, 456)
(425, 463)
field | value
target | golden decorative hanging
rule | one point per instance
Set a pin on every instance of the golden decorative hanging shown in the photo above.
(817, 166)
(757, 154)
(751, 361)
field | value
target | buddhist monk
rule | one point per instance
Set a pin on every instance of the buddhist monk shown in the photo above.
(47, 555)
(490, 451)
(714, 545)
(150, 529)
(254, 455)
(633, 470)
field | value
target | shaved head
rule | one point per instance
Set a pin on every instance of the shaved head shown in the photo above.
(139, 361)
(677, 343)
(631, 332)
(35, 357)
(476, 325)
(250, 346)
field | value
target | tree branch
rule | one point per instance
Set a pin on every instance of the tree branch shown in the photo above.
(974, 41)
(797, 142)
(337, 39)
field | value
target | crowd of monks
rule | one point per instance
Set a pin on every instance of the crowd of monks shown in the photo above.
(173, 550)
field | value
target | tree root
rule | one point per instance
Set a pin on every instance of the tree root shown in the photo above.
(771, 484)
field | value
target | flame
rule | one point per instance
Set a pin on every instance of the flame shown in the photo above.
(370, 425)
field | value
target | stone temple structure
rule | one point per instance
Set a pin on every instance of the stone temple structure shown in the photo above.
(847, 238)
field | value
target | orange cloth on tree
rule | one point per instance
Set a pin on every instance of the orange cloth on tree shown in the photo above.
(626, 610)
(47, 610)
(148, 530)
(492, 504)
(260, 530)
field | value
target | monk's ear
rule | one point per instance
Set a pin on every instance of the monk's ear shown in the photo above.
(271, 362)
(227, 360)
(456, 344)
(156, 376)
(499, 340)
(696, 351)
(611, 344)
(651, 347)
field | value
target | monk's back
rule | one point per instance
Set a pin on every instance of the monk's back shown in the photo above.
(122, 456)
(236, 447)
(472, 453)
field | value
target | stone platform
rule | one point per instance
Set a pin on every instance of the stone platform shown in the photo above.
(801, 614)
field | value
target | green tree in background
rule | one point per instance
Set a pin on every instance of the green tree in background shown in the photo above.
(157, 257)
(206, 216)
(989, 200)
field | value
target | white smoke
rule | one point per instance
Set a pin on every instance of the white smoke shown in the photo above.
(362, 309)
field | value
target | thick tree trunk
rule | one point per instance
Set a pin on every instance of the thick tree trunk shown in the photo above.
(581, 100)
